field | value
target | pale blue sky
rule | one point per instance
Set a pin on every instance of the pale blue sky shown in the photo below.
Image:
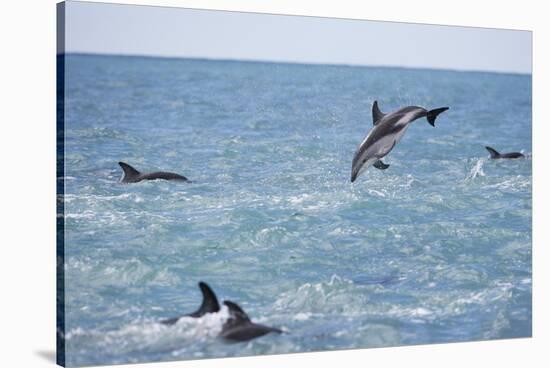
(175, 32)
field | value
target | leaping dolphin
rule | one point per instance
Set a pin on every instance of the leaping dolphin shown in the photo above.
(495, 155)
(131, 175)
(387, 131)
(238, 327)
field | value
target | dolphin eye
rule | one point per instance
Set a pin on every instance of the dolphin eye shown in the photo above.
(365, 160)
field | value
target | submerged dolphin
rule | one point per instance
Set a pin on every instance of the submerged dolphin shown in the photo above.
(495, 155)
(131, 175)
(238, 327)
(387, 131)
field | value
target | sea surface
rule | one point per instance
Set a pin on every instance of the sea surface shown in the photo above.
(435, 249)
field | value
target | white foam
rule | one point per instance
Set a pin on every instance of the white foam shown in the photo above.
(477, 170)
(151, 335)
(302, 316)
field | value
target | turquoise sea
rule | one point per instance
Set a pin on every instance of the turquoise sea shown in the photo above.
(435, 249)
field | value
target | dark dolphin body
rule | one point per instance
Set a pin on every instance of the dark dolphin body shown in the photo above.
(495, 155)
(238, 326)
(131, 175)
(387, 131)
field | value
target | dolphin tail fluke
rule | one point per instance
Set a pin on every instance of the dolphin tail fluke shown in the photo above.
(432, 114)
(130, 174)
(493, 152)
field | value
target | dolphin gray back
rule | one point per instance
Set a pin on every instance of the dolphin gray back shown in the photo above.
(163, 175)
(411, 113)
(131, 175)
(496, 155)
(378, 116)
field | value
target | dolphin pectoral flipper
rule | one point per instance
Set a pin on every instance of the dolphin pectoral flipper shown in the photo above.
(380, 165)
(377, 115)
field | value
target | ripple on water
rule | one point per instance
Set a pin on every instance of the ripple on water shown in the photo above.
(437, 248)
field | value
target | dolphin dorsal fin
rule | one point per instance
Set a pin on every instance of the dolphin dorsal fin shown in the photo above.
(236, 312)
(377, 115)
(129, 172)
(209, 301)
(493, 152)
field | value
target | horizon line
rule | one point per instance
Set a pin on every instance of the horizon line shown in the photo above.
(291, 62)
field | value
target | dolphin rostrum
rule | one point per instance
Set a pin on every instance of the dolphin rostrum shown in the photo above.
(237, 327)
(495, 155)
(387, 131)
(131, 175)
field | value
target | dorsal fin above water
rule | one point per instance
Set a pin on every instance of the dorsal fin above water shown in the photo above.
(377, 115)
(236, 312)
(493, 152)
(209, 301)
(209, 305)
(130, 174)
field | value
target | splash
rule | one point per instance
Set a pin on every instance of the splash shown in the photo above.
(477, 170)
(149, 336)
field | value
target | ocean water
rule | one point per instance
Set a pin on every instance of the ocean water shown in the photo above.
(435, 249)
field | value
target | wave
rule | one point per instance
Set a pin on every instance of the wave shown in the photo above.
(338, 295)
